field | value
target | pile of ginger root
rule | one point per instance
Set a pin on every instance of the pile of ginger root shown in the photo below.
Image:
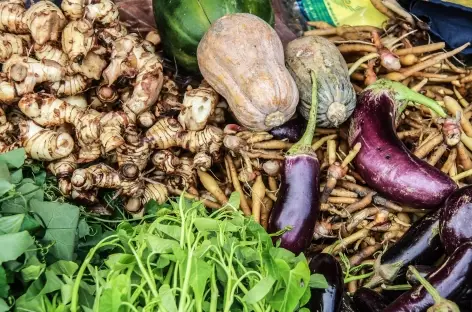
(92, 101)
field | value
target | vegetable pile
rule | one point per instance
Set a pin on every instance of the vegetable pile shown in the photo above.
(334, 167)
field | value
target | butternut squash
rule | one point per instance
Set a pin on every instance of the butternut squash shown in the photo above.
(242, 58)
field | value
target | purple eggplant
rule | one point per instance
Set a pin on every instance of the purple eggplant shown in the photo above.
(448, 280)
(384, 162)
(423, 270)
(419, 245)
(367, 300)
(328, 299)
(298, 204)
(347, 304)
(292, 130)
(456, 219)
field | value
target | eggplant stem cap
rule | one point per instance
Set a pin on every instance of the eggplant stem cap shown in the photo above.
(402, 93)
(303, 146)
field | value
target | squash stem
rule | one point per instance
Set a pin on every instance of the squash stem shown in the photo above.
(404, 94)
(304, 145)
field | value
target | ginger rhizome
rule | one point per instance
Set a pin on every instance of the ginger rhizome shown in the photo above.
(167, 132)
(92, 129)
(27, 72)
(132, 56)
(198, 105)
(44, 144)
(76, 87)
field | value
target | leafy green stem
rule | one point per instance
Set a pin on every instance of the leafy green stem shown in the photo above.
(110, 240)
(358, 277)
(304, 144)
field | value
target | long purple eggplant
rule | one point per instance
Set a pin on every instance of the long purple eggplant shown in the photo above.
(367, 300)
(384, 162)
(328, 299)
(347, 304)
(292, 130)
(448, 280)
(298, 204)
(455, 222)
(419, 245)
(423, 270)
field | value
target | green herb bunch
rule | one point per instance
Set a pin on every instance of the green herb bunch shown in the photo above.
(190, 259)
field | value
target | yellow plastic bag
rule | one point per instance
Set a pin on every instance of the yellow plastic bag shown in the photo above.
(342, 12)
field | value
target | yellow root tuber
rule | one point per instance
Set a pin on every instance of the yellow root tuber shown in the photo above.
(198, 105)
(11, 44)
(103, 176)
(27, 72)
(212, 186)
(44, 144)
(45, 21)
(73, 9)
(156, 191)
(122, 49)
(184, 177)
(105, 12)
(112, 33)
(78, 38)
(11, 17)
(47, 110)
(168, 98)
(7, 90)
(148, 82)
(91, 66)
(134, 151)
(63, 167)
(112, 126)
(50, 51)
(70, 85)
(165, 161)
(6, 128)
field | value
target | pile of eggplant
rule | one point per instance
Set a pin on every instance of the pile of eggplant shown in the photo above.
(438, 245)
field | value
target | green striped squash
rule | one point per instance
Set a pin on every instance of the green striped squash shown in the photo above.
(182, 23)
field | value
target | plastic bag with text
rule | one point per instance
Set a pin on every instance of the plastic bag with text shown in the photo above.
(291, 15)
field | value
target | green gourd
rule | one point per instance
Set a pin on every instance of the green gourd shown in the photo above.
(336, 95)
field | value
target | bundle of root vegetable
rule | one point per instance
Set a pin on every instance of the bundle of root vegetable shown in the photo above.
(92, 101)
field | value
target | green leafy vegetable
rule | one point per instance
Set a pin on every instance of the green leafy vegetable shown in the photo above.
(14, 245)
(61, 222)
(14, 159)
(190, 259)
(34, 233)
(318, 281)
